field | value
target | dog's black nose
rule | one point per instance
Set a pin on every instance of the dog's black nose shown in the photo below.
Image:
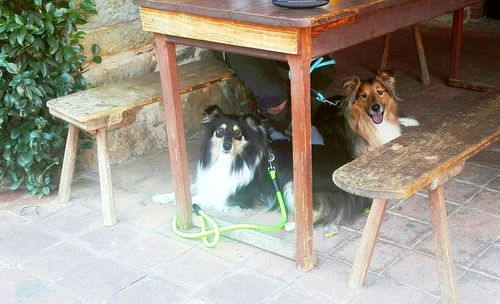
(375, 107)
(226, 146)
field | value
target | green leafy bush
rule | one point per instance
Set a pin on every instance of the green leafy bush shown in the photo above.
(41, 58)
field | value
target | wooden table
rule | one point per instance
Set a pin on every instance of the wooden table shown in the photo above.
(258, 28)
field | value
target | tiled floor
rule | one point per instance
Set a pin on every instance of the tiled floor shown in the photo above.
(61, 253)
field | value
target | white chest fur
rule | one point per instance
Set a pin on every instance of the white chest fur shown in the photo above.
(215, 184)
(387, 131)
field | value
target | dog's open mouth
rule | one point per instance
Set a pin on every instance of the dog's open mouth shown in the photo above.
(377, 117)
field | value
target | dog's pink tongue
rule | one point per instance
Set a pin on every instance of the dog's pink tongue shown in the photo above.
(377, 118)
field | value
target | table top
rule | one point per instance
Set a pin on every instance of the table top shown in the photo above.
(264, 12)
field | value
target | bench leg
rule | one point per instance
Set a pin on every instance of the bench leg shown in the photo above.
(424, 71)
(367, 243)
(385, 53)
(442, 246)
(68, 167)
(108, 206)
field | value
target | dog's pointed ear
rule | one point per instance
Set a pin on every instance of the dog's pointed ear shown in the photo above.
(253, 122)
(387, 77)
(350, 85)
(210, 114)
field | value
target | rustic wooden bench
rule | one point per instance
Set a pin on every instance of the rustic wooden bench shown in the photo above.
(101, 109)
(426, 157)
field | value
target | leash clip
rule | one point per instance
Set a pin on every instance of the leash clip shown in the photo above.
(319, 96)
(270, 159)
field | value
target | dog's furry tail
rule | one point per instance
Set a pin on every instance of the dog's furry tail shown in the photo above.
(338, 207)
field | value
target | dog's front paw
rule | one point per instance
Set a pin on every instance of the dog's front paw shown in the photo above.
(290, 227)
(330, 230)
(164, 198)
(408, 122)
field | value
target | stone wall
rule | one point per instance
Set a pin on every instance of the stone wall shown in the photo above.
(127, 51)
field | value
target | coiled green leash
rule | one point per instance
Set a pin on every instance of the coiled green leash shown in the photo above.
(216, 230)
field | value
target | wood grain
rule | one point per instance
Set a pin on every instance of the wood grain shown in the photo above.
(302, 151)
(278, 39)
(104, 106)
(68, 167)
(367, 243)
(422, 60)
(456, 42)
(108, 204)
(167, 62)
(411, 162)
(442, 245)
(385, 52)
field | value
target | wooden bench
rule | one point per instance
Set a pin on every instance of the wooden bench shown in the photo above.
(100, 109)
(425, 157)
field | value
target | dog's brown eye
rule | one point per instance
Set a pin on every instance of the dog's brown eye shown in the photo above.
(380, 92)
(220, 132)
(364, 95)
(237, 134)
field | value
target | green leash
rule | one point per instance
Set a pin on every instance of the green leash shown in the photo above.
(216, 230)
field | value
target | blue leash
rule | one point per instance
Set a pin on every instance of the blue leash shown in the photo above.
(318, 95)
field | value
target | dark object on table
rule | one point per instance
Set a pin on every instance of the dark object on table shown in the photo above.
(300, 3)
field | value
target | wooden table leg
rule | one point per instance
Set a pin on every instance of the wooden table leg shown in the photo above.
(385, 53)
(456, 49)
(456, 43)
(446, 267)
(302, 151)
(367, 243)
(167, 62)
(424, 71)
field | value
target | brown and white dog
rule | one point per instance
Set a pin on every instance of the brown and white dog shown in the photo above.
(368, 116)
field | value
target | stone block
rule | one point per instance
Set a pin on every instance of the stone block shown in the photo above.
(384, 254)
(476, 288)
(194, 270)
(112, 12)
(24, 243)
(475, 224)
(149, 291)
(127, 64)
(490, 262)
(465, 249)
(116, 38)
(98, 280)
(18, 286)
(150, 251)
(243, 287)
(402, 231)
(53, 263)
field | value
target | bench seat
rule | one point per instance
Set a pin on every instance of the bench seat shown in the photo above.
(111, 106)
(425, 157)
(103, 107)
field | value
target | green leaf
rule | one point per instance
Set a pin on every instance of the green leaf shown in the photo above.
(95, 49)
(15, 133)
(19, 20)
(46, 190)
(20, 36)
(16, 184)
(97, 59)
(49, 7)
(12, 68)
(89, 6)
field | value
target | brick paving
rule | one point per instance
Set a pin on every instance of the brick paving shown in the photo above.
(61, 253)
